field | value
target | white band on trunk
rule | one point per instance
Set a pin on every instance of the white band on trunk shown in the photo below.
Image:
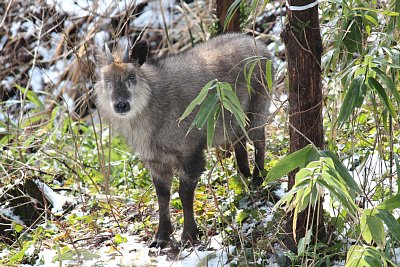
(302, 8)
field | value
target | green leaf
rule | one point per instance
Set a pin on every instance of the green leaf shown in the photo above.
(118, 239)
(363, 256)
(343, 172)
(353, 39)
(382, 11)
(396, 159)
(205, 110)
(250, 74)
(241, 216)
(227, 94)
(388, 82)
(269, 74)
(354, 98)
(31, 95)
(383, 96)
(291, 162)
(198, 99)
(304, 242)
(18, 228)
(231, 11)
(211, 122)
(17, 257)
(392, 224)
(341, 194)
(371, 19)
(372, 228)
(390, 203)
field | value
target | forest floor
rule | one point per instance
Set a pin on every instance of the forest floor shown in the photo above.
(58, 159)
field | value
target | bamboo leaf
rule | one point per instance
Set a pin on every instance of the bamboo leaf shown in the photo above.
(231, 11)
(392, 224)
(250, 74)
(382, 11)
(388, 82)
(31, 95)
(198, 99)
(291, 162)
(342, 170)
(269, 74)
(205, 110)
(211, 122)
(390, 203)
(229, 94)
(372, 228)
(396, 159)
(383, 96)
(353, 98)
(353, 39)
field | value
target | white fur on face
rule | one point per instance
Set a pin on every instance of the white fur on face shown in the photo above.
(139, 92)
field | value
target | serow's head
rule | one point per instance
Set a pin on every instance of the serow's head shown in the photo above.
(120, 77)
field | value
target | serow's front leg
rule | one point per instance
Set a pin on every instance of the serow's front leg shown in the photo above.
(163, 189)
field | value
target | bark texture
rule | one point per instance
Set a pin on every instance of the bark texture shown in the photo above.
(302, 39)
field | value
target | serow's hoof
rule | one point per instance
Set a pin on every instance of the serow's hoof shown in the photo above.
(159, 244)
(162, 238)
(256, 182)
(189, 238)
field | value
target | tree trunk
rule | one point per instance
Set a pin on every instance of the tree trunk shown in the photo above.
(222, 11)
(302, 39)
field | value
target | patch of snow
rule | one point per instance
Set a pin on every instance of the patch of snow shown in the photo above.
(84, 7)
(101, 37)
(339, 263)
(30, 29)
(396, 256)
(36, 79)
(3, 41)
(8, 213)
(136, 253)
(69, 101)
(8, 83)
(52, 75)
(152, 15)
(281, 191)
(72, 7)
(4, 253)
(15, 26)
(45, 53)
(57, 200)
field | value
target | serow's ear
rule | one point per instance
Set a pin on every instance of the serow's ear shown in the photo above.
(139, 52)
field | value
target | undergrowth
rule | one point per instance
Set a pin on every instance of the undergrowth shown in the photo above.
(68, 148)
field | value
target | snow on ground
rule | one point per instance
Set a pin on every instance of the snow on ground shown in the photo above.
(136, 253)
(84, 7)
(57, 201)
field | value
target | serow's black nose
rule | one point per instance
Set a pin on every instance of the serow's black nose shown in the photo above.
(122, 107)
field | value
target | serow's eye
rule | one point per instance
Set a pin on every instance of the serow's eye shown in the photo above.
(106, 79)
(132, 77)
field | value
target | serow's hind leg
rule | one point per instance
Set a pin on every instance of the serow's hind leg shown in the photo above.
(242, 159)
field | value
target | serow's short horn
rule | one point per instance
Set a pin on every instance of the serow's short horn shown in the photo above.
(109, 56)
(125, 58)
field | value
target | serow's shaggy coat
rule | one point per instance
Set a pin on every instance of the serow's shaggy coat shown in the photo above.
(143, 100)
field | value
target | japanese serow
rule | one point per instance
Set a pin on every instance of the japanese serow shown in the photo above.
(144, 98)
